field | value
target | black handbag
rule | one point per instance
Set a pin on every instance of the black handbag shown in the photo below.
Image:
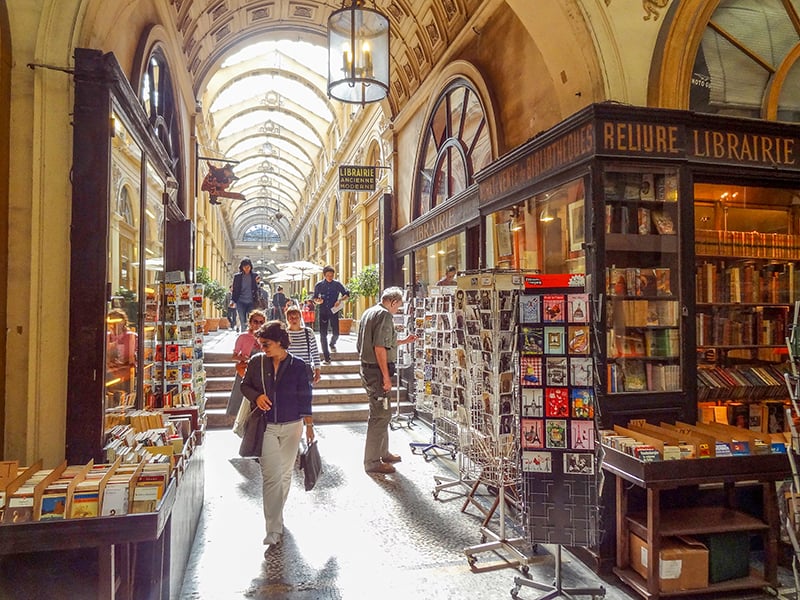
(311, 464)
(254, 429)
(253, 436)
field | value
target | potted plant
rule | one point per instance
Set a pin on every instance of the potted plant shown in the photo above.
(365, 284)
(214, 291)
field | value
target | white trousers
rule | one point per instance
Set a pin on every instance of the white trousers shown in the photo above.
(278, 454)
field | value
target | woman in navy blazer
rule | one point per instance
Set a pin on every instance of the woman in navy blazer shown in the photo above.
(277, 383)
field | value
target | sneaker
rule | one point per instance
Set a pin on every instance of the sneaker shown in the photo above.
(333, 348)
(381, 468)
(392, 458)
(326, 361)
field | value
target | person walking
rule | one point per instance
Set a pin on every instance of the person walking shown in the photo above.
(246, 346)
(279, 301)
(245, 290)
(231, 310)
(329, 295)
(277, 384)
(302, 342)
(377, 348)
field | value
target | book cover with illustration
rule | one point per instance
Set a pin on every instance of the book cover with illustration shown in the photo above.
(556, 370)
(578, 308)
(578, 339)
(530, 309)
(581, 403)
(554, 308)
(554, 342)
(532, 433)
(581, 435)
(531, 340)
(556, 402)
(556, 433)
(581, 372)
(532, 402)
(530, 370)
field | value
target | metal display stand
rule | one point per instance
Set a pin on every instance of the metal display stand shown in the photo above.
(560, 453)
(486, 308)
(556, 590)
(792, 507)
(399, 419)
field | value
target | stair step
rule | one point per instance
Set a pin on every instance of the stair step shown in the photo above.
(222, 369)
(217, 384)
(217, 399)
(329, 380)
(349, 396)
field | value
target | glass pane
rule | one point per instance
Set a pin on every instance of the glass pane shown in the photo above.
(122, 321)
(543, 234)
(153, 233)
(431, 262)
(642, 280)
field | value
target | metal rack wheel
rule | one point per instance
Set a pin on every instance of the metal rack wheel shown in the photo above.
(525, 570)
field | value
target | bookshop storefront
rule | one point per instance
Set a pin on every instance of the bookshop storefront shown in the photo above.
(688, 227)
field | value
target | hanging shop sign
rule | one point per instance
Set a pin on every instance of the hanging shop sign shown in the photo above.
(355, 178)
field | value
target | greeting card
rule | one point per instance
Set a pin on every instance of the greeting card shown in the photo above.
(556, 402)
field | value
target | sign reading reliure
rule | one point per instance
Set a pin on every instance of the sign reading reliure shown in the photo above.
(356, 179)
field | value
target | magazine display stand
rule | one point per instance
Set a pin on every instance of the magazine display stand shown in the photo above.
(173, 349)
(402, 325)
(560, 454)
(486, 303)
(440, 385)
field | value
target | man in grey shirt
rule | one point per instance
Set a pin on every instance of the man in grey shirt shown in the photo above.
(377, 348)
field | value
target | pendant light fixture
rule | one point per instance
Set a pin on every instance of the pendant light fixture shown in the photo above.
(358, 53)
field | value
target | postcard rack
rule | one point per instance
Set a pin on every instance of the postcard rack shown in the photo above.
(439, 380)
(560, 453)
(486, 317)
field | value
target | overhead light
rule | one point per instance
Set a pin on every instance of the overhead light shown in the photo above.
(546, 215)
(358, 53)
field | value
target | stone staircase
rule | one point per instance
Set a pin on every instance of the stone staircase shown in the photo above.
(338, 397)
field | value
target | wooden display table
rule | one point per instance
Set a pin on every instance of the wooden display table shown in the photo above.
(655, 523)
(138, 555)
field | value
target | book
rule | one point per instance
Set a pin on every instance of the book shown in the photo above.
(643, 220)
(647, 191)
(663, 222)
(634, 377)
(556, 402)
(554, 308)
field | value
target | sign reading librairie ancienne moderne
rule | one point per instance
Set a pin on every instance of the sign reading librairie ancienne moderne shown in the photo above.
(356, 179)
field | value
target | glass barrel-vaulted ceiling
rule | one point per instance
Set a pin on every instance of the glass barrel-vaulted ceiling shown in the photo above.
(269, 112)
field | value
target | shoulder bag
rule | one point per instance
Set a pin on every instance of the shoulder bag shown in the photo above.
(253, 437)
(309, 366)
(311, 464)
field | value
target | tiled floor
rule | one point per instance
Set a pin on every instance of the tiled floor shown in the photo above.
(355, 536)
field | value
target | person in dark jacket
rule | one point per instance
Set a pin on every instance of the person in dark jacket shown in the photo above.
(277, 383)
(245, 290)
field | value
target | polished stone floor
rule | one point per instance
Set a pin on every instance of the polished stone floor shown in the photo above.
(355, 535)
(359, 536)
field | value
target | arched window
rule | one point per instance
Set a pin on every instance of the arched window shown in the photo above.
(261, 233)
(747, 62)
(158, 99)
(456, 144)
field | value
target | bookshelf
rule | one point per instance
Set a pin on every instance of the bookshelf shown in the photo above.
(746, 255)
(642, 280)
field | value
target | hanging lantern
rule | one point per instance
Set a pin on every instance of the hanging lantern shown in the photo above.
(358, 54)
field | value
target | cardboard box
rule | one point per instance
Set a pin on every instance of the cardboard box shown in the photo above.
(728, 555)
(683, 562)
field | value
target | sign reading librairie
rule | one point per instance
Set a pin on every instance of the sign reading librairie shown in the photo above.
(356, 178)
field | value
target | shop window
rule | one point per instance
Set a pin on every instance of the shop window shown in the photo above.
(544, 234)
(746, 64)
(456, 144)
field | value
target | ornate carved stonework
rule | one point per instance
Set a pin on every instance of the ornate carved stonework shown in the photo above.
(433, 33)
(260, 13)
(218, 11)
(652, 8)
